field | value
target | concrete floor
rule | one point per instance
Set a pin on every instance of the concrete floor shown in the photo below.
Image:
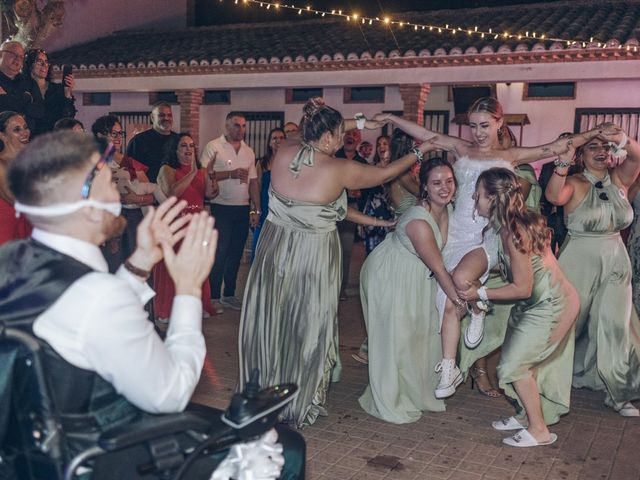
(459, 444)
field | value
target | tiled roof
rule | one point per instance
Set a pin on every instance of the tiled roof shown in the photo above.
(307, 44)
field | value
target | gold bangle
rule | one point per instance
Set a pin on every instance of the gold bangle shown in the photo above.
(555, 171)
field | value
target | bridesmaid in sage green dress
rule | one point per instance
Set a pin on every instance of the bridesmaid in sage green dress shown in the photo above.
(535, 363)
(480, 363)
(594, 257)
(397, 291)
(289, 319)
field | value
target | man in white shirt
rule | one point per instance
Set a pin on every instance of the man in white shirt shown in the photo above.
(98, 324)
(235, 170)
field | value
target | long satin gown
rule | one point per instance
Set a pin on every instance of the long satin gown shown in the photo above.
(595, 260)
(397, 292)
(289, 320)
(633, 247)
(495, 325)
(540, 337)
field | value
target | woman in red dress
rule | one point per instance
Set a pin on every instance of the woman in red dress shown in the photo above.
(181, 176)
(14, 135)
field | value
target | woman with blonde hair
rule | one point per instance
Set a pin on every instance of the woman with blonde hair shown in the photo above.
(469, 255)
(536, 360)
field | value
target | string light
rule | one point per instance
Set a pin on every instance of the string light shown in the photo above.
(402, 23)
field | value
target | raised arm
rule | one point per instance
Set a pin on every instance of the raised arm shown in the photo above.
(355, 175)
(519, 155)
(559, 191)
(627, 172)
(440, 140)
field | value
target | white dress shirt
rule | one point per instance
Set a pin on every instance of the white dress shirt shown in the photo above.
(232, 192)
(99, 324)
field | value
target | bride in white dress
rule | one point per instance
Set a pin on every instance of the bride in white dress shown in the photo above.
(470, 252)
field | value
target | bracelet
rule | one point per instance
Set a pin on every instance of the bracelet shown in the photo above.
(255, 212)
(562, 164)
(360, 119)
(560, 174)
(416, 151)
(617, 149)
(138, 272)
(482, 293)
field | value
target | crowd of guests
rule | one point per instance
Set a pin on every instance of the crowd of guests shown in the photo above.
(468, 283)
(464, 277)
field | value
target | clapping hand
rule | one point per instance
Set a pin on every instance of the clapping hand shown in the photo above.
(160, 226)
(190, 267)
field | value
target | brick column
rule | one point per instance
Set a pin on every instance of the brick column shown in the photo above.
(414, 96)
(190, 101)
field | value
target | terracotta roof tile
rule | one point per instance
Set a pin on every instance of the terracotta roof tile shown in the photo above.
(318, 40)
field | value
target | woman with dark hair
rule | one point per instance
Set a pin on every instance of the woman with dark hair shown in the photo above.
(263, 168)
(397, 291)
(404, 190)
(51, 101)
(595, 260)
(469, 254)
(136, 192)
(181, 176)
(535, 364)
(14, 135)
(68, 124)
(288, 326)
(377, 202)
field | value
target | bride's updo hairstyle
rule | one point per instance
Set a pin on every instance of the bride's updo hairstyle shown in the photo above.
(317, 118)
(528, 229)
(492, 106)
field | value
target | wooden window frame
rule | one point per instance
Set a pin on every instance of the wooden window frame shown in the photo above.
(527, 98)
(346, 96)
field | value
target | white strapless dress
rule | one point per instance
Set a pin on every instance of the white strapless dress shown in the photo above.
(465, 227)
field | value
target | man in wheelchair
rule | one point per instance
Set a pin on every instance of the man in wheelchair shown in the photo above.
(90, 373)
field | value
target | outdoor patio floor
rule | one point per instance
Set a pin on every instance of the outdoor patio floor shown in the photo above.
(459, 444)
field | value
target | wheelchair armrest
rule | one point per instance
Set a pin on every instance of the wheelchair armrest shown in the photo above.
(149, 428)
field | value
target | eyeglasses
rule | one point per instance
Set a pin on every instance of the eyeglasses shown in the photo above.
(116, 133)
(42, 63)
(14, 55)
(603, 195)
(104, 159)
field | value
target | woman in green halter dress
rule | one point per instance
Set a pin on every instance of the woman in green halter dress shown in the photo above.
(288, 323)
(480, 363)
(594, 258)
(397, 292)
(535, 363)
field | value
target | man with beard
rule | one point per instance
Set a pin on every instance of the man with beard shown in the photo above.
(110, 365)
(346, 229)
(148, 147)
(235, 170)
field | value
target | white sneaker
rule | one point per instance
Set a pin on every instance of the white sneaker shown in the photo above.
(629, 410)
(231, 302)
(474, 333)
(450, 378)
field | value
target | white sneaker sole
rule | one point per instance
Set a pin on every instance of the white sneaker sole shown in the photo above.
(441, 393)
(469, 343)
